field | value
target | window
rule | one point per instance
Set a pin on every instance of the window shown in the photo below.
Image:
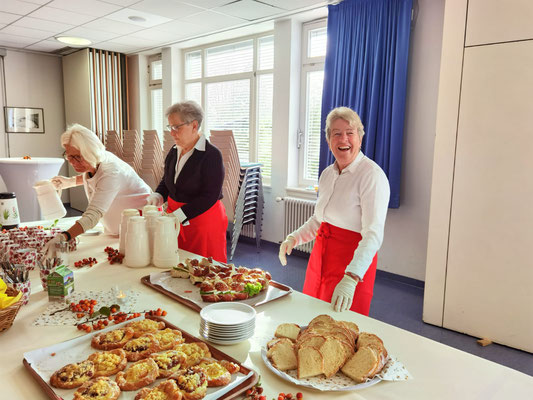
(313, 57)
(233, 81)
(155, 71)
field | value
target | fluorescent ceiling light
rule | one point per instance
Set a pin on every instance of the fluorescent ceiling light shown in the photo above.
(136, 18)
(73, 41)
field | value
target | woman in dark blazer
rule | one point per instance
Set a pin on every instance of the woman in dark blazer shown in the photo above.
(192, 184)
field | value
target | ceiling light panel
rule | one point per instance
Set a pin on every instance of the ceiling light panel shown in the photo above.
(151, 19)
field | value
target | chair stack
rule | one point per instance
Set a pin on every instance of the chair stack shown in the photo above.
(168, 142)
(242, 189)
(152, 164)
(113, 143)
(131, 149)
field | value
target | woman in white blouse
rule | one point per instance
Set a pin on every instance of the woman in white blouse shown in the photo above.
(348, 222)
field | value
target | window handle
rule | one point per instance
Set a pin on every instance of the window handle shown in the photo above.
(299, 138)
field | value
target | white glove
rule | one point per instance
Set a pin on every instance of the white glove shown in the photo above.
(49, 249)
(286, 248)
(154, 199)
(63, 182)
(343, 294)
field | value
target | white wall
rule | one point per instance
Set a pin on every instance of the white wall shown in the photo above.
(36, 80)
(405, 243)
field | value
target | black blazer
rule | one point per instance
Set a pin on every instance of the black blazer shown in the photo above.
(199, 183)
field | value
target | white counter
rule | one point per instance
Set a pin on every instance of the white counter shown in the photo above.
(439, 371)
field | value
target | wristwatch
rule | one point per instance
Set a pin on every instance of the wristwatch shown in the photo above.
(353, 276)
(67, 235)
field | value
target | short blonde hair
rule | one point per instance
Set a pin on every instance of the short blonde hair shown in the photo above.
(349, 116)
(91, 148)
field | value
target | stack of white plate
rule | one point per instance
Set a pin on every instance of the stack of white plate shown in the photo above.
(227, 323)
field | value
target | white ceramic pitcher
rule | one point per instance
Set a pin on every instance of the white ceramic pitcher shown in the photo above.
(166, 233)
(49, 200)
(137, 246)
(123, 228)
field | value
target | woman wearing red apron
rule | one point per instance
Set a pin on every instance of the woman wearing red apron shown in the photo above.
(348, 222)
(192, 184)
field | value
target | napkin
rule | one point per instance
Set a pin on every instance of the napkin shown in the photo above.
(5, 300)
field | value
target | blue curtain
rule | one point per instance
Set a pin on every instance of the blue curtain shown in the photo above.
(366, 70)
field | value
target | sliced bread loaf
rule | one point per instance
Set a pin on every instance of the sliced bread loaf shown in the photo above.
(370, 340)
(290, 331)
(310, 362)
(335, 356)
(362, 365)
(283, 355)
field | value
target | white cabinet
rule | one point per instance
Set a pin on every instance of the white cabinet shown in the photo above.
(496, 21)
(479, 271)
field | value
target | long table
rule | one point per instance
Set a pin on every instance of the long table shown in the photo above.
(439, 371)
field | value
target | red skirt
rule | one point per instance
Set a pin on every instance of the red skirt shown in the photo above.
(333, 250)
(206, 233)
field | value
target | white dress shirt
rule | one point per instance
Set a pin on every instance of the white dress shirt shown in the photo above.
(355, 199)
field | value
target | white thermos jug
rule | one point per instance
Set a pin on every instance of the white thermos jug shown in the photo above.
(123, 228)
(49, 200)
(151, 216)
(166, 233)
(137, 246)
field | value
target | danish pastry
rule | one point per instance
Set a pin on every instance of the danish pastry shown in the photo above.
(138, 375)
(108, 363)
(101, 388)
(114, 339)
(169, 362)
(167, 390)
(145, 326)
(195, 351)
(192, 382)
(72, 375)
(167, 338)
(217, 374)
(142, 347)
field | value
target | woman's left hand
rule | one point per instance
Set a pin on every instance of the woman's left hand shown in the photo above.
(343, 294)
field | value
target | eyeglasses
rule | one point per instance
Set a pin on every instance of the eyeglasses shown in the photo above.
(176, 127)
(70, 158)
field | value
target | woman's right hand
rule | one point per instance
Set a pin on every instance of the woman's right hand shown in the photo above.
(63, 182)
(286, 248)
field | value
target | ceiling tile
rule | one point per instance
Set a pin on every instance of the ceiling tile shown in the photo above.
(2, 25)
(44, 25)
(55, 14)
(208, 3)
(170, 9)
(156, 35)
(108, 25)
(41, 2)
(181, 28)
(26, 32)
(133, 41)
(95, 8)
(294, 4)
(151, 19)
(217, 20)
(9, 40)
(248, 9)
(115, 47)
(46, 45)
(17, 7)
(7, 18)
(91, 34)
(123, 3)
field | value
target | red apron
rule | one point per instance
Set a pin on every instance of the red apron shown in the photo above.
(206, 233)
(333, 250)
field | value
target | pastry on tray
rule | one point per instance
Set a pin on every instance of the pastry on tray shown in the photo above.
(114, 339)
(192, 382)
(168, 338)
(72, 375)
(194, 351)
(101, 388)
(140, 374)
(169, 362)
(108, 363)
(145, 326)
(218, 371)
(142, 347)
(167, 390)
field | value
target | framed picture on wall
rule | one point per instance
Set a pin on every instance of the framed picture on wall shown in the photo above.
(24, 120)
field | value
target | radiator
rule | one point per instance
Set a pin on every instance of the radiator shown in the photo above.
(297, 212)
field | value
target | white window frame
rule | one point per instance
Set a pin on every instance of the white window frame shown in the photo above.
(252, 76)
(309, 64)
(154, 84)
